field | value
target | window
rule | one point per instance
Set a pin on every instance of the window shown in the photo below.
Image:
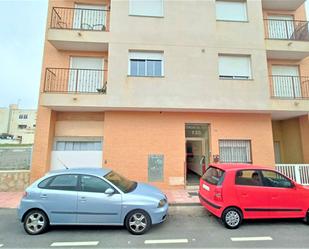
(146, 8)
(231, 11)
(146, 64)
(64, 182)
(22, 127)
(213, 176)
(44, 183)
(248, 178)
(78, 146)
(235, 151)
(234, 67)
(23, 116)
(276, 180)
(93, 184)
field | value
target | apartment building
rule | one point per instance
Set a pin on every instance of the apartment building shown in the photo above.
(17, 124)
(157, 90)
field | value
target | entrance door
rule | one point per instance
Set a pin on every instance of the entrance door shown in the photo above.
(280, 27)
(286, 81)
(86, 74)
(195, 155)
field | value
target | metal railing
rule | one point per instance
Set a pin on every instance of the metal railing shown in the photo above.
(286, 29)
(298, 172)
(79, 19)
(71, 80)
(289, 87)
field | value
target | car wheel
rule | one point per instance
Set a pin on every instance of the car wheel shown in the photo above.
(307, 218)
(232, 218)
(36, 222)
(138, 222)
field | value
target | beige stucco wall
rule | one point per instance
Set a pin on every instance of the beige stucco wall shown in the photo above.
(4, 118)
(191, 78)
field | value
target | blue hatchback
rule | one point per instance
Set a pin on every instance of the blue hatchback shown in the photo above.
(91, 197)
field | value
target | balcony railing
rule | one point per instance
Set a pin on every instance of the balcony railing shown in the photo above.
(79, 19)
(286, 29)
(70, 80)
(289, 87)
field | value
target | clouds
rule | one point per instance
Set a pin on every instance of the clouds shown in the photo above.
(22, 34)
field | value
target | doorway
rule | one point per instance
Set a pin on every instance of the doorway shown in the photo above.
(197, 152)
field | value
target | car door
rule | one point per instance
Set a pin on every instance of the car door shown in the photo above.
(252, 195)
(284, 198)
(59, 199)
(96, 207)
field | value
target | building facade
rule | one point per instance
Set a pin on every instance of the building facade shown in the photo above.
(157, 90)
(17, 124)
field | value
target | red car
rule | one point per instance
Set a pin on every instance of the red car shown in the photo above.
(234, 192)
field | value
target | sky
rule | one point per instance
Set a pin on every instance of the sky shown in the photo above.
(22, 32)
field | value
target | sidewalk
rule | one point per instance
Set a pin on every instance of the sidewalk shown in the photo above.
(10, 199)
(175, 197)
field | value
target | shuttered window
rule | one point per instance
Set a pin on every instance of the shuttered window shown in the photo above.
(146, 8)
(234, 67)
(235, 151)
(231, 11)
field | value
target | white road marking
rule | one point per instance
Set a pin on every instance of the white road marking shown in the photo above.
(1, 245)
(80, 243)
(252, 238)
(166, 241)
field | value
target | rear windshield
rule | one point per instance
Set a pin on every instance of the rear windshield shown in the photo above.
(213, 176)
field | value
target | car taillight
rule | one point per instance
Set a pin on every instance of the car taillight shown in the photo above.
(218, 194)
(25, 194)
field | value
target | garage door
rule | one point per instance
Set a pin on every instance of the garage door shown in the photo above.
(75, 153)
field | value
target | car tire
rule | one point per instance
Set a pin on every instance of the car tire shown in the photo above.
(307, 218)
(36, 222)
(232, 218)
(138, 222)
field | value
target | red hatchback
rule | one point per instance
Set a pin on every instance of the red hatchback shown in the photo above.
(234, 192)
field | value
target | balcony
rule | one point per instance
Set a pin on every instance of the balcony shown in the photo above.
(79, 29)
(290, 5)
(289, 87)
(286, 39)
(77, 81)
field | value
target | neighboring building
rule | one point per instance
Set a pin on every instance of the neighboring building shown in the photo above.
(151, 88)
(17, 125)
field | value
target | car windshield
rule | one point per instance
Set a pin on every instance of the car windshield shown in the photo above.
(120, 182)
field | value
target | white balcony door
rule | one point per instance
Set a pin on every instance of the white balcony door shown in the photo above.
(86, 74)
(286, 81)
(92, 17)
(280, 26)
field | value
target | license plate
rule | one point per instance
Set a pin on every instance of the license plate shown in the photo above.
(205, 187)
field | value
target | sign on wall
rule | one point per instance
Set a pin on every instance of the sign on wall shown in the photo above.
(155, 168)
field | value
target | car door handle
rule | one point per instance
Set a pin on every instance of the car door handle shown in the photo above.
(82, 198)
(43, 196)
(244, 195)
(274, 197)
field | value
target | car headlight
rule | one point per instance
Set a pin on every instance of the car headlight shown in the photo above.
(162, 203)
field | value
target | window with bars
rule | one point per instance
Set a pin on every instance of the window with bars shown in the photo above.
(235, 151)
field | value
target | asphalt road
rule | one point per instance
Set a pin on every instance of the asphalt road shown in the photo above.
(186, 227)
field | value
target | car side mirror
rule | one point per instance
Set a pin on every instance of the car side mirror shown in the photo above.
(109, 191)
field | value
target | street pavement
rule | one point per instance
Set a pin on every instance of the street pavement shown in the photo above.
(186, 227)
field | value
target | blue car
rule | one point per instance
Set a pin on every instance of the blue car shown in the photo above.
(91, 197)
